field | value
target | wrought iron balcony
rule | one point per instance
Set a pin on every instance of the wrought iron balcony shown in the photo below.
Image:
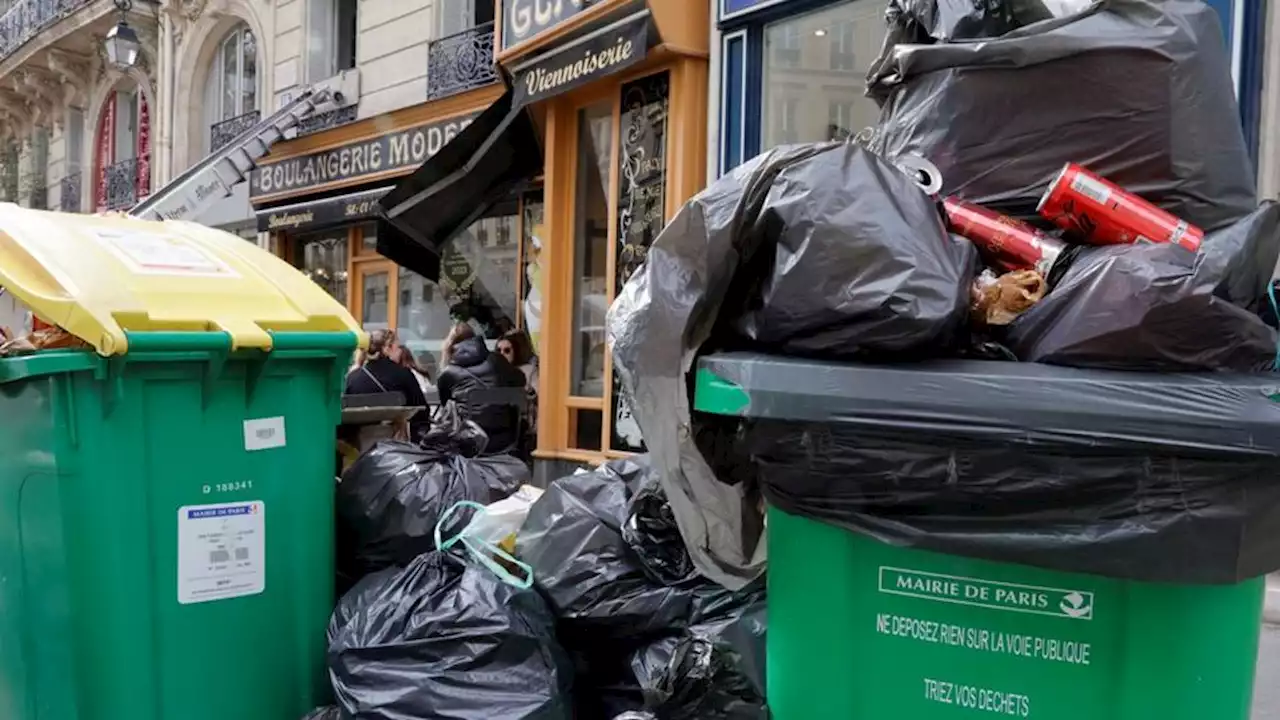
(121, 185)
(331, 119)
(461, 62)
(221, 134)
(25, 19)
(69, 192)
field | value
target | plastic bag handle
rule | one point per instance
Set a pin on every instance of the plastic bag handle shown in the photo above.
(481, 550)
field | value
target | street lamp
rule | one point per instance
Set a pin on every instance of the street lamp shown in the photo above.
(122, 41)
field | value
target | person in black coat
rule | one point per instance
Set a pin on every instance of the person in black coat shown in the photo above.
(381, 371)
(470, 367)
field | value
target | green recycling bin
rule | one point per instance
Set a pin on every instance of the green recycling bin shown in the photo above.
(167, 484)
(863, 630)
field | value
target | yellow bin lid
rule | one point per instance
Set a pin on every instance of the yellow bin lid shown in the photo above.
(99, 277)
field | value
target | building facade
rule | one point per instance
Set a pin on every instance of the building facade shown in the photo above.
(545, 254)
(793, 70)
(76, 133)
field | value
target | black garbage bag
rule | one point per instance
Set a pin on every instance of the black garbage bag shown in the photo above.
(812, 249)
(324, 713)
(713, 671)
(1138, 91)
(651, 530)
(1159, 307)
(446, 638)
(1155, 477)
(855, 261)
(927, 21)
(596, 583)
(391, 499)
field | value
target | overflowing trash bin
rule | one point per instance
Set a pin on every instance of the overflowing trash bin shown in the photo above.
(989, 393)
(168, 477)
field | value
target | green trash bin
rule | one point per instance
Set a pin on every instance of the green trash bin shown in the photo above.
(166, 551)
(862, 630)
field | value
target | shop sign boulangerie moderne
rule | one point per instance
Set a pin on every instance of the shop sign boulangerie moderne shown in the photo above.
(609, 51)
(402, 149)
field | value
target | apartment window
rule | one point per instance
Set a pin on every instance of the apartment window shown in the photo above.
(75, 140)
(782, 45)
(333, 26)
(347, 31)
(842, 40)
(787, 121)
(456, 16)
(236, 75)
(839, 120)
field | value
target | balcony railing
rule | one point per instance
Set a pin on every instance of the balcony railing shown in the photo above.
(221, 134)
(331, 119)
(121, 185)
(27, 18)
(461, 62)
(69, 193)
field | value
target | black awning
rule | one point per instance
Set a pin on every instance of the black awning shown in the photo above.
(326, 212)
(482, 166)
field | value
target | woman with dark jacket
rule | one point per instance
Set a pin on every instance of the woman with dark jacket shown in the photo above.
(380, 371)
(471, 368)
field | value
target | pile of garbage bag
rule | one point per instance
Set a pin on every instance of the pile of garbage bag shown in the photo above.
(473, 594)
(391, 499)
(445, 637)
(647, 632)
(1087, 206)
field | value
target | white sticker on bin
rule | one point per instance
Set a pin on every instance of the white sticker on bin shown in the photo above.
(264, 434)
(222, 551)
(146, 253)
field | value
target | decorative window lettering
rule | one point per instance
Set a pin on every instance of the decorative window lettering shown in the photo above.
(642, 195)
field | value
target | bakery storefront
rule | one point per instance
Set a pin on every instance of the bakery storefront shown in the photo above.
(318, 197)
(599, 136)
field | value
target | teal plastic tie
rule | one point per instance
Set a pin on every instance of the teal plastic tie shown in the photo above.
(481, 550)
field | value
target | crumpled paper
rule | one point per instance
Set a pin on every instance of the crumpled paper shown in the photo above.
(998, 300)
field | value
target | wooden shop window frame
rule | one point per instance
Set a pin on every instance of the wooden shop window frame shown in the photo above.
(686, 153)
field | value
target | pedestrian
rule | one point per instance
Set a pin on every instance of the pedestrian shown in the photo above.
(471, 369)
(517, 348)
(380, 369)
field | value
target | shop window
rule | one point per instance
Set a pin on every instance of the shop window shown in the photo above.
(586, 428)
(531, 288)
(805, 101)
(591, 248)
(323, 258)
(375, 302)
(642, 201)
(477, 285)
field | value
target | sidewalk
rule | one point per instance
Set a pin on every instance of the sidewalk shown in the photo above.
(1271, 609)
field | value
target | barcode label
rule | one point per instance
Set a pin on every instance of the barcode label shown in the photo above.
(1091, 189)
(264, 434)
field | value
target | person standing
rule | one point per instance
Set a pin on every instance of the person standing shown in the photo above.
(473, 379)
(380, 370)
(518, 350)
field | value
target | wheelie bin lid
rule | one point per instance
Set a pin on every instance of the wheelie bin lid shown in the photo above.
(100, 277)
